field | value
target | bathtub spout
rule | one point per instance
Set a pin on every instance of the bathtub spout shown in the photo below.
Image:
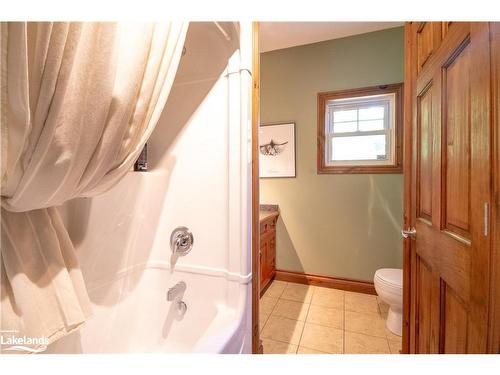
(176, 291)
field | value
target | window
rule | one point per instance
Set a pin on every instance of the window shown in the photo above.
(359, 131)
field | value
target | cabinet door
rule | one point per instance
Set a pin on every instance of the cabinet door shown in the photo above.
(264, 245)
(271, 255)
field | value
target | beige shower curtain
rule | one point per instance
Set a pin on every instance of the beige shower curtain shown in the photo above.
(78, 102)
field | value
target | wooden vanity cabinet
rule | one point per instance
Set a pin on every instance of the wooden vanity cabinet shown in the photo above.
(267, 249)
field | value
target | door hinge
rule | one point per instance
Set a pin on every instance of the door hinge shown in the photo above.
(486, 219)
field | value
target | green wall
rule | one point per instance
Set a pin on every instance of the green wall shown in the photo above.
(336, 225)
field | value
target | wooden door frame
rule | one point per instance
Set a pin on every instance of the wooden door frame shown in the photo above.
(256, 346)
(494, 313)
(409, 77)
(409, 84)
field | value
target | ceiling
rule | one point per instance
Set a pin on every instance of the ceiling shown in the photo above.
(278, 35)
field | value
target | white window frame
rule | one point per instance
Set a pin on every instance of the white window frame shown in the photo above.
(388, 100)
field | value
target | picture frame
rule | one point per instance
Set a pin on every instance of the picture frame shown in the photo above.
(277, 150)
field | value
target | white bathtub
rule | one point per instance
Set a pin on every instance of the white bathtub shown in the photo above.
(141, 320)
(198, 177)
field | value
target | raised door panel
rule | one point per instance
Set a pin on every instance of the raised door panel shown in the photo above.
(456, 129)
(424, 286)
(447, 255)
(424, 150)
(454, 317)
(445, 26)
(428, 40)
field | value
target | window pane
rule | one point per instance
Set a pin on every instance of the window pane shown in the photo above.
(366, 147)
(350, 115)
(345, 127)
(371, 113)
(370, 125)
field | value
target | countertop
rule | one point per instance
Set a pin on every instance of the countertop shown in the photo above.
(263, 215)
(268, 211)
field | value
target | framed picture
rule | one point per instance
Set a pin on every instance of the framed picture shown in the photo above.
(277, 150)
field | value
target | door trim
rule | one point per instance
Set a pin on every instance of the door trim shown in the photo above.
(409, 84)
(256, 346)
(494, 318)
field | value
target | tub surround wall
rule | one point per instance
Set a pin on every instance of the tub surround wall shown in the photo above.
(197, 177)
(344, 226)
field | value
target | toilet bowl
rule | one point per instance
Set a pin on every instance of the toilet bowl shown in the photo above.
(389, 286)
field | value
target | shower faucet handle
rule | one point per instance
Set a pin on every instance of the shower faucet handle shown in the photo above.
(181, 241)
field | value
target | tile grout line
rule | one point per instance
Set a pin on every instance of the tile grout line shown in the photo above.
(285, 342)
(366, 334)
(320, 351)
(380, 315)
(274, 307)
(305, 320)
(386, 333)
(282, 342)
(271, 312)
(307, 347)
(267, 319)
(283, 291)
(316, 324)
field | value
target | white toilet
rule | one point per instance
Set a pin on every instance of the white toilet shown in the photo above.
(389, 286)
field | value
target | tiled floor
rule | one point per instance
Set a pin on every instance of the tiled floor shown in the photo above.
(304, 319)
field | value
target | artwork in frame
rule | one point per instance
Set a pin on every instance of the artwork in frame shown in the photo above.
(277, 150)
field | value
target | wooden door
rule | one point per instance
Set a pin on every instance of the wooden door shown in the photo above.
(451, 194)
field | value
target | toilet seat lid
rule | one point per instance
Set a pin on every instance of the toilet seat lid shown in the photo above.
(392, 276)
